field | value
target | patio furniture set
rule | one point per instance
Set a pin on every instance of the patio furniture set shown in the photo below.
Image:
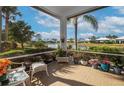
(19, 75)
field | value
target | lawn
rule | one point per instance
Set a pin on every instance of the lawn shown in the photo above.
(17, 52)
(106, 48)
(97, 44)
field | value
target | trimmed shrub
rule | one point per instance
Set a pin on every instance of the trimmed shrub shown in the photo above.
(39, 44)
(33, 50)
(106, 49)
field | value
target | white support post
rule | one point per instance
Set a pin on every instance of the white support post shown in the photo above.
(63, 33)
(0, 27)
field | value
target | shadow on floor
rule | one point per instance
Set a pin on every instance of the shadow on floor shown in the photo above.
(56, 78)
(42, 79)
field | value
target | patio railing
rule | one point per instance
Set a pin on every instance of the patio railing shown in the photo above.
(108, 54)
(24, 58)
(30, 55)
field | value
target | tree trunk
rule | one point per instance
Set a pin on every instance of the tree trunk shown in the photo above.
(0, 28)
(22, 45)
(76, 25)
(6, 27)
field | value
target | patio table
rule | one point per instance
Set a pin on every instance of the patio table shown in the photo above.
(17, 76)
(38, 66)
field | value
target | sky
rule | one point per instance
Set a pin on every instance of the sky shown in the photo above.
(110, 20)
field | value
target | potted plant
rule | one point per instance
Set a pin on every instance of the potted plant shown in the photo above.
(105, 64)
(94, 63)
(84, 59)
(117, 65)
(61, 56)
(117, 68)
(4, 64)
(61, 53)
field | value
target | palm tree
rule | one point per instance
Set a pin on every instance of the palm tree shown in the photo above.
(20, 32)
(88, 18)
(9, 13)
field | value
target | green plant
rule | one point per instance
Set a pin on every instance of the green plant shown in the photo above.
(61, 53)
(105, 49)
(39, 44)
(23, 51)
(9, 13)
(20, 32)
(117, 61)
(88, 18)
(70, 47)
(36, 50)
(11, 53)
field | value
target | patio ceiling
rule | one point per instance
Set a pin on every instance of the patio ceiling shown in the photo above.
(67, 11)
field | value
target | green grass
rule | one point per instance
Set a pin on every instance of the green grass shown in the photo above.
(11, 52)
(23, 51)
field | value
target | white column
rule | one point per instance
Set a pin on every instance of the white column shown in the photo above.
(63, 33)
(0, 26)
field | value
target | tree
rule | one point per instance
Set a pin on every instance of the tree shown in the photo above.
(93, 39)
(111, 36)
(88, 18)
(9, 13)
(39, 44)
(54, 40)
(21, 32)
(38, 37)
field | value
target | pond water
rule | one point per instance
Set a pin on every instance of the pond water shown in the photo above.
(52, 45)
(81, 47)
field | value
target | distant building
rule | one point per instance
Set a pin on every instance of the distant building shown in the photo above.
(81, 39)
(102, 39)
(120, 40)
(84, 40)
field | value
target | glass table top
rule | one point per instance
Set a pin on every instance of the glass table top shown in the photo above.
(17, 76)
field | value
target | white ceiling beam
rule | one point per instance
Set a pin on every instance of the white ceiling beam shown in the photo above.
(81, 12)
(43, 9)
(67, 11)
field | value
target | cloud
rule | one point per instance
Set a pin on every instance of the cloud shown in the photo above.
(107, 25)
(86, 35)
(117, 31)
(54, 34)
(120, 9)
(47, 20)
(111, 24)
(114, 20)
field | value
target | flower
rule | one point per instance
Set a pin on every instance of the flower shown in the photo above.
(106, 60)
(93, 61)
(4, 63)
